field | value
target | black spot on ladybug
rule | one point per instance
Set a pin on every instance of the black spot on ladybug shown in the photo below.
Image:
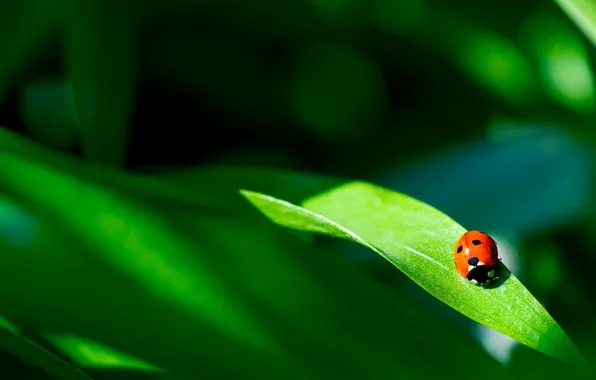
(459, 249)
(473, 261)
(481, 274)
(476, 242)
(493, 249)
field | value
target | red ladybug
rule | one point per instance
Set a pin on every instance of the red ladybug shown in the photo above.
(475, 255)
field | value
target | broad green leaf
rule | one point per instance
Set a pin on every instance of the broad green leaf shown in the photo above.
(418, 240)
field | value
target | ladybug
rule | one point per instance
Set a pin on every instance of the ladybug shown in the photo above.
(475, 255)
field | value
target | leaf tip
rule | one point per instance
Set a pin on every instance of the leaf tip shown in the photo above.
(248, 194)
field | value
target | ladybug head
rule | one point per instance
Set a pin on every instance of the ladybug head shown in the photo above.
(473, 261)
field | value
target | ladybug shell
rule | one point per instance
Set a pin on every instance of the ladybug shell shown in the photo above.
(475, 253)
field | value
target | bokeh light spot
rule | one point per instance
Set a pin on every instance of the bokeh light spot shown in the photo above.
(499, 66)
(563, 62)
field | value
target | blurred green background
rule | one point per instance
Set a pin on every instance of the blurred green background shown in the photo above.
(128, 126)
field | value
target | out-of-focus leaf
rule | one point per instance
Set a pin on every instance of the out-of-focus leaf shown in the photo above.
(49, 113)
(92, 354)
(101, 60)
(144, 278)
(320, 91)
(136, 185)
(12, 341)
(554, 166)
(564, 63)
(418, 239)
(583, 13)
(498, 65)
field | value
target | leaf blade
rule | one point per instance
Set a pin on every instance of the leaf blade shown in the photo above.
(33, 354)
(418, 239)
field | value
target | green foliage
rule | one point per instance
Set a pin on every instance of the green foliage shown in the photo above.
(172, 274)
(13, 341)
(158, 247)
(120, 250)
(583, 13)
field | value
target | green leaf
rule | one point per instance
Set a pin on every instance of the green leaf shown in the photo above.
(13, 341)
(418, 240)
(583, 13)
(91, 354)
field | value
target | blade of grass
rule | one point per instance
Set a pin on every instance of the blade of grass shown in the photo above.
(418, 239)
(33, 354)
(583, 13)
